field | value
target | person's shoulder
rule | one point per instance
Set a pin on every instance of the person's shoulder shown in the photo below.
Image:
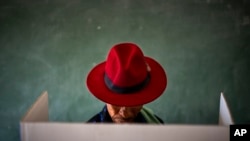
(161, 121)
(95, 118)
(150, 116)
(102, 116)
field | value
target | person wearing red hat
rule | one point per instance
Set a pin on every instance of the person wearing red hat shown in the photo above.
(125, 82)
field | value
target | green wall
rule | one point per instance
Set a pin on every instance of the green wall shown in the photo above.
(51, 45)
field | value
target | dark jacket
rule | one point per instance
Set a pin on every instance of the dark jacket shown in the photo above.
(104, 116)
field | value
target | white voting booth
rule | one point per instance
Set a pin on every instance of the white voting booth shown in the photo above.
(35, 126)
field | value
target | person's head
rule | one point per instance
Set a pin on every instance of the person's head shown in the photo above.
(122, 114)
(126, 81)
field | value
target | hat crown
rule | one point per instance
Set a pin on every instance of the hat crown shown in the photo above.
(126, 65)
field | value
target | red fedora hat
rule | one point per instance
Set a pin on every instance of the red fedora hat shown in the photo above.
(127, 77)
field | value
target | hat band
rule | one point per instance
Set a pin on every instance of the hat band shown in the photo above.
(125, 90)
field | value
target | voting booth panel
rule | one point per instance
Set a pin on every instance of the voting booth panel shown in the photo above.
(225, 117)
(35, 126)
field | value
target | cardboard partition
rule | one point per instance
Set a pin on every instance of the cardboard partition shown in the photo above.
(225, 117)
(35, 127)
(113, 132)
(39, 110)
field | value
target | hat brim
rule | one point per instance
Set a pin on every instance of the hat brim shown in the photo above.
(155, 87)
